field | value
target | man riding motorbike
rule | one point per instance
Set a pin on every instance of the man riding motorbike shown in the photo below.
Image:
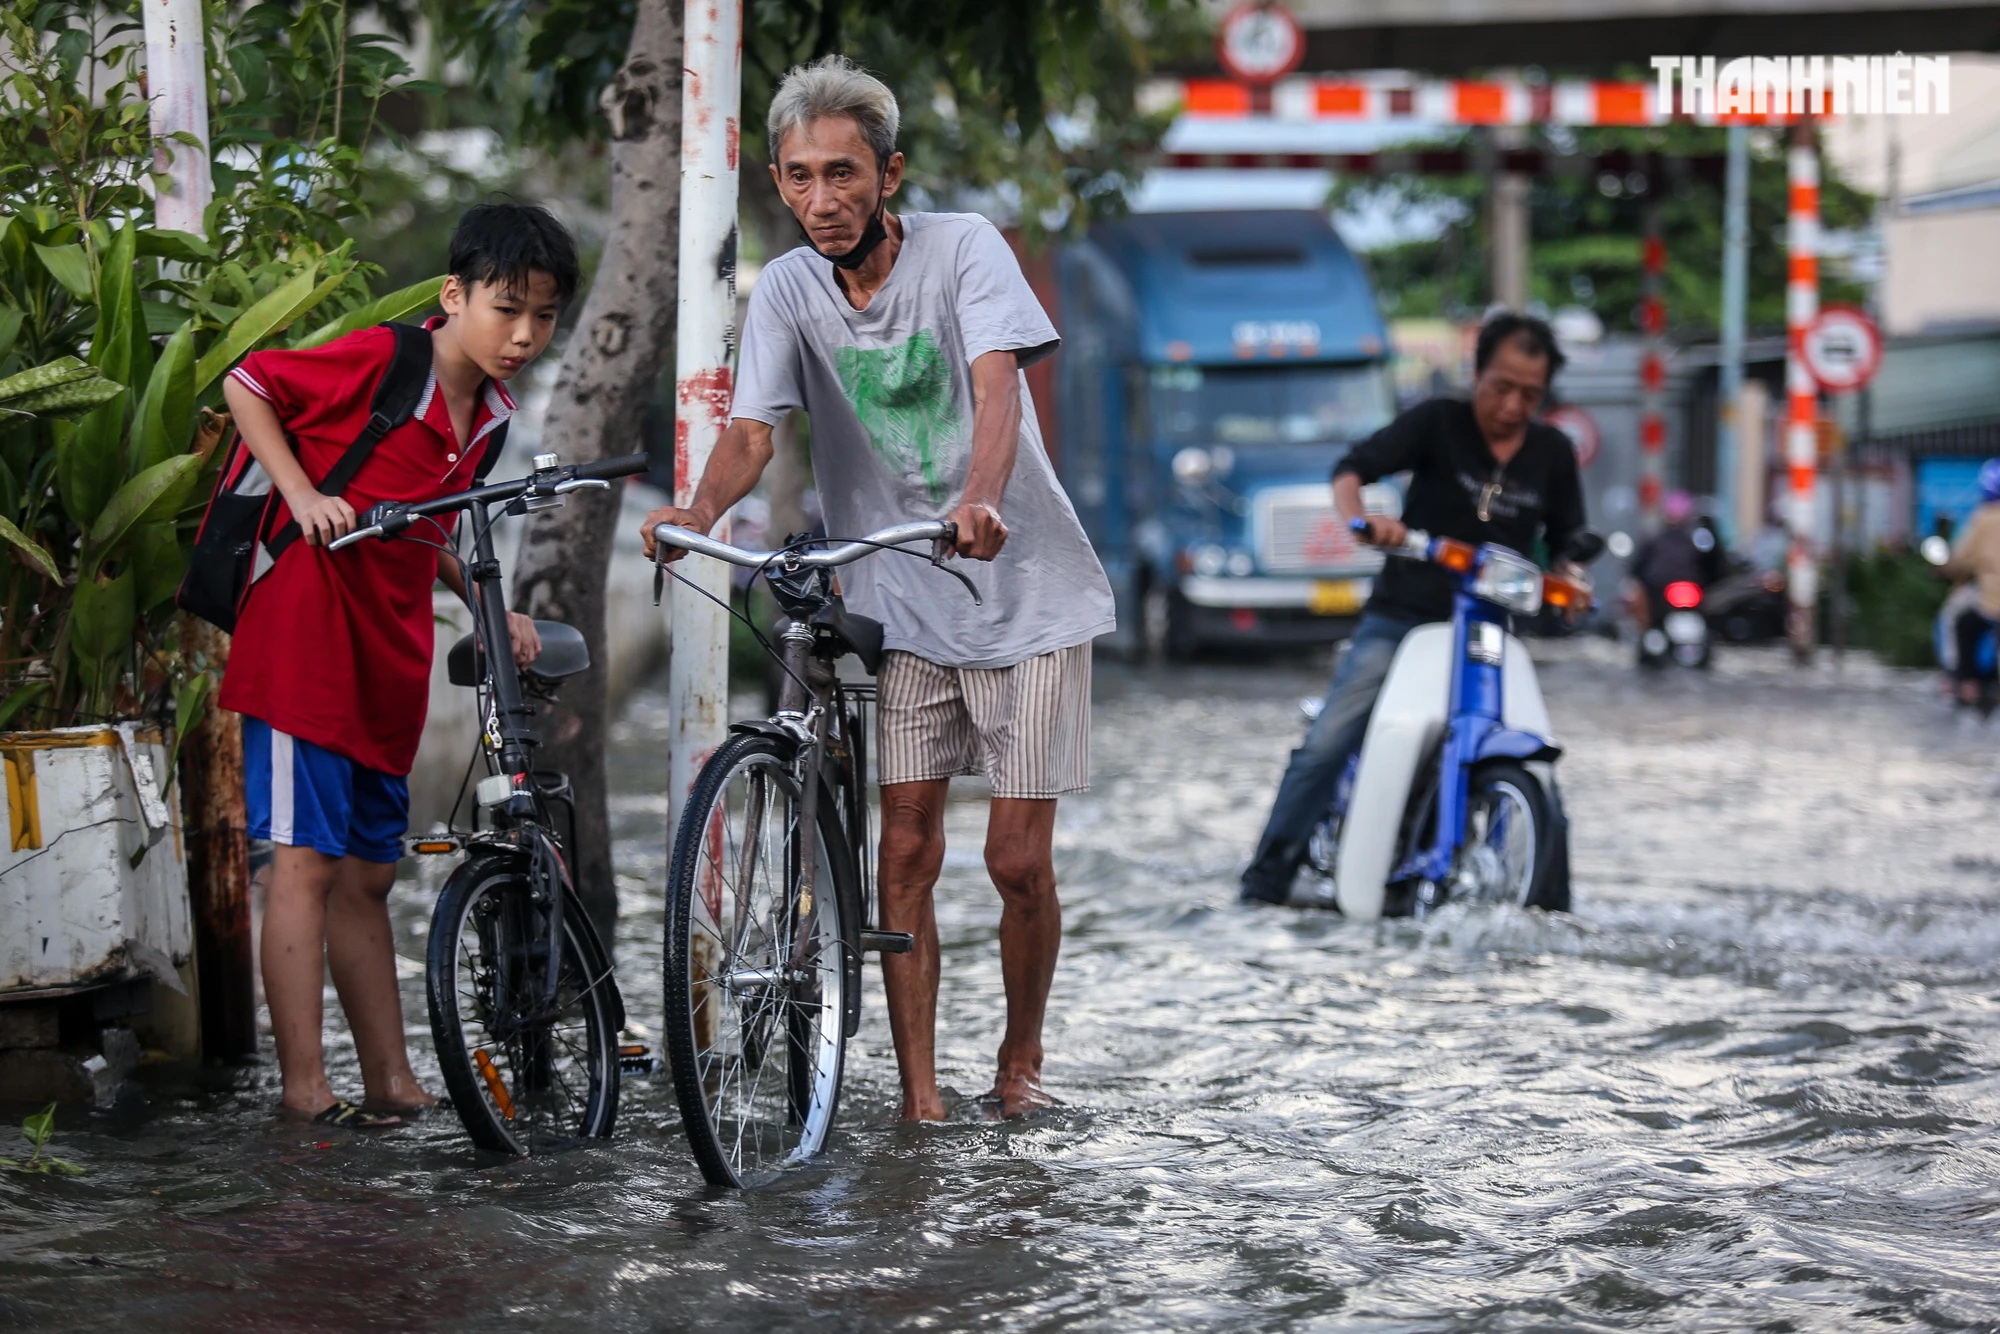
(1683, 551)
(1480, 471)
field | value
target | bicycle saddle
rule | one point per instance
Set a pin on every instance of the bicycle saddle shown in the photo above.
(563, 654)
(856, 634)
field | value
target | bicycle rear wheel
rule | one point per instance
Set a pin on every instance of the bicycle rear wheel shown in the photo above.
(523, 1081)
(756, 976)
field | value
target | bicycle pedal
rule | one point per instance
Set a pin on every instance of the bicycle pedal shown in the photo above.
(636, 1058)
(888, 942)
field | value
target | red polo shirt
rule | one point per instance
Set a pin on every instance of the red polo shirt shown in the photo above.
(335, 647)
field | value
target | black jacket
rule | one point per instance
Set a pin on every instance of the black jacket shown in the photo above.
(1537, 493)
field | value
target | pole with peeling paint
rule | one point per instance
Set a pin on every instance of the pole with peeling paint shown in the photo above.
(705, 346)
(177, 92)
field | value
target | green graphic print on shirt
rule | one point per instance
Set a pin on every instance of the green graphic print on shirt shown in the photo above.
(903, 398)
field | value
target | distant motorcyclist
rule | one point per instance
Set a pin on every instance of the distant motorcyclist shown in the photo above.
(1480, 471)
(1683, 551)
(1976, 556)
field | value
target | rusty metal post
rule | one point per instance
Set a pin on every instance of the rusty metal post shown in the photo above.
(218, 848)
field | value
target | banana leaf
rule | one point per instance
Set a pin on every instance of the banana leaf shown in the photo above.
(253, 326)
(10, 328)
(154, 496)
(100, 619)
(164, 422)
(155, 557)
(34, 550)
(394, 306)
(70, 266)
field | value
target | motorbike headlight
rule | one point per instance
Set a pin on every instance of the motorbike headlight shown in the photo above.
(1210, 560)
(1192, 466)
(1510, 580)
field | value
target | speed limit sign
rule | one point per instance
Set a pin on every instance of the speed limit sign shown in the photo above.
(1259, 41)
(1842, 348)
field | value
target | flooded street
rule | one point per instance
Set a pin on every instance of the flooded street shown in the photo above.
(1753, 1082)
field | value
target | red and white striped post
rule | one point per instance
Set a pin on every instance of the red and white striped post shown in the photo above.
(711, 97)
(1652, 367)
(1801, 393)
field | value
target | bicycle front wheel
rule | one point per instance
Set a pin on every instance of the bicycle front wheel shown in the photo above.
(523, 1077)
(756, 966)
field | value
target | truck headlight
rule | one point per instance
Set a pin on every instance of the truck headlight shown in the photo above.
(1210, 560)
(1513, 582)
(1192, 466)
(1241, 565)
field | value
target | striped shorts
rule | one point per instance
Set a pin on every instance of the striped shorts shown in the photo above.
(1026, 727)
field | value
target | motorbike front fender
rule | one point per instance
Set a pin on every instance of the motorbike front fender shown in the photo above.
(1506, 743)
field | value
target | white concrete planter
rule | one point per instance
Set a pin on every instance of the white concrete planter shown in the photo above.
(93, 876)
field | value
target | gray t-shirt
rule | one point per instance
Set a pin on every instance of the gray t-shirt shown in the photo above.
(889, 392)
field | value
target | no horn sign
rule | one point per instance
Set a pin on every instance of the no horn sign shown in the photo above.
(1842, 348)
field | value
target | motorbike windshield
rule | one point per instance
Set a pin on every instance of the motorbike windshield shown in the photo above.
(1269, 405)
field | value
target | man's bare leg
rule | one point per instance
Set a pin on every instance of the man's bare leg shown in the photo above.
(1020, 834)
(912, 855)
(294, 965)
(362, 954)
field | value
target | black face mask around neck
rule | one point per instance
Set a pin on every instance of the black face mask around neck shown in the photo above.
(874, 234)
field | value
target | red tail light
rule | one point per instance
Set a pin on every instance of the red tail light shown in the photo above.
(1683, 594)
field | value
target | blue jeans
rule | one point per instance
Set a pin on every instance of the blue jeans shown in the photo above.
(1313, 776)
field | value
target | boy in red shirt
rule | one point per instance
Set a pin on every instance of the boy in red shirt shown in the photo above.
(330, 664)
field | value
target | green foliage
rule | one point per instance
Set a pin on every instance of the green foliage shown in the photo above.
(38, 1130)
(1894, 596)
(1034, 99)
(114, 334)
(1586, 232)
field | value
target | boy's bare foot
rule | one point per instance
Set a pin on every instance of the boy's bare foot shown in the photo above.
(403, 1095)
(1018, 1095)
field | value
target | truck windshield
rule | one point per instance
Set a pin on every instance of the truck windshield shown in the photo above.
(1269, 405)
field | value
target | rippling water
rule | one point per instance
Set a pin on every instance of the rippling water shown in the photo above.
(1751, 1083)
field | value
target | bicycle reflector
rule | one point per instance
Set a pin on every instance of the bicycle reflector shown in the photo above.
(1683, 593)
(432, 845)
(1453, 554)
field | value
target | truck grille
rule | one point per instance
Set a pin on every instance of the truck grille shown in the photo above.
(1298, 532)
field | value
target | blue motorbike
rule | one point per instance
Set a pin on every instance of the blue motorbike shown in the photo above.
(1453, 792)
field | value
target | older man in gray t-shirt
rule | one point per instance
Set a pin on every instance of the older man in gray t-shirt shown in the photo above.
(903, 338)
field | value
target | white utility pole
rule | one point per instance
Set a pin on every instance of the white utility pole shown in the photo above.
(704, 350)
(177, 90)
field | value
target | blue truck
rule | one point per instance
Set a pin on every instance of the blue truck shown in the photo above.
(1215, 367)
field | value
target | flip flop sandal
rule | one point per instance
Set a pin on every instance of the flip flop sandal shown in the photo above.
(350, 1116)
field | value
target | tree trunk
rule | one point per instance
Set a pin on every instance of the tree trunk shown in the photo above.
(218, 863)
(616, 356)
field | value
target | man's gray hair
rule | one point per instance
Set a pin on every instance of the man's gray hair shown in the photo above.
(835, 86)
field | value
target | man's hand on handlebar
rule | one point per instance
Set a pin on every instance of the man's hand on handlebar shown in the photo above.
(981, 532)
(321, 519)
(1384, 531)
(679, 518)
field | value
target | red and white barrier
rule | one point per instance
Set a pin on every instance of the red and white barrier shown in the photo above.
(1652, 371)
(1434, 102)
(1801, 392)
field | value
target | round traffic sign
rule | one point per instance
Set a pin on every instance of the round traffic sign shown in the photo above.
(1842, 348)
(1260, 41)
(1581, 428)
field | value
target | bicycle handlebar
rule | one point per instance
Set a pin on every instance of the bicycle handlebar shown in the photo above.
(687, 539)
(388, 519)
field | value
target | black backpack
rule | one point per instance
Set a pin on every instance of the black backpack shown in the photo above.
(236, 545)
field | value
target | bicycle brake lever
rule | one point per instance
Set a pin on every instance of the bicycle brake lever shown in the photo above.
(659, 570)
(970, 587)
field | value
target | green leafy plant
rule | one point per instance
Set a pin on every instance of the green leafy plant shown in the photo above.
(38, 1130)
(115, 333)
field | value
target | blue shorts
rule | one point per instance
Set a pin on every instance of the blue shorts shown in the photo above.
(308, 797)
